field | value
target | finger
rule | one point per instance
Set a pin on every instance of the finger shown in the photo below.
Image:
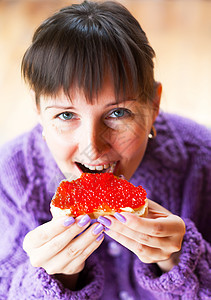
(170, 243)
(75, 265)
(160, 227)
(148, 240)
(145, 253)
(155, 210)
(58, 243)
(70, 259)
(79, 245)
(44, 233)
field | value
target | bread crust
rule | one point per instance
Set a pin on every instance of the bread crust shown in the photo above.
(142, 211)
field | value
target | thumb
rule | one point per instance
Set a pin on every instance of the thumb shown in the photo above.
(157, 211)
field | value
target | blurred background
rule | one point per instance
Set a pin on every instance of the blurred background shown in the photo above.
(178, 30)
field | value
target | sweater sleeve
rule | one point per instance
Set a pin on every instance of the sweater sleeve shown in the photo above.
(34, 283)
(189, 280)
(18, 279)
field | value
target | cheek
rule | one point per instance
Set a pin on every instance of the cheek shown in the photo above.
(60, 145)
(131, 141)
(131, 151)
(133, 148)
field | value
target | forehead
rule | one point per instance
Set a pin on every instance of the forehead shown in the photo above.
(104, 103)
(77, 96)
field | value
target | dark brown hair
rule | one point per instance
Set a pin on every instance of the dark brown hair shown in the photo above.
(80, 43)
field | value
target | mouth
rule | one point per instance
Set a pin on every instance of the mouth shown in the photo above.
(104, 168)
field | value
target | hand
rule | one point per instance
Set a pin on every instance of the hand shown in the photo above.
(155, 239)
(59, 249)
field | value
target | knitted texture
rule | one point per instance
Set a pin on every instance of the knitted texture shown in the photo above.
(181, 282)
(176, 174)
(37, 284)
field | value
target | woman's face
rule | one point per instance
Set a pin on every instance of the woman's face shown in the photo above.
(105, 136)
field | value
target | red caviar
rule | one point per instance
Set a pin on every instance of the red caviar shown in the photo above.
(103, 191)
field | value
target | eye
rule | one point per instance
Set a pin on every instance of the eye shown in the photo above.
(119, 113)
(65, 116)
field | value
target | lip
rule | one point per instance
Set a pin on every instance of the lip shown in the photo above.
(100, 164)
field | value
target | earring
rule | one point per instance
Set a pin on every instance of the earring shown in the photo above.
(43, 135)
(152, 133)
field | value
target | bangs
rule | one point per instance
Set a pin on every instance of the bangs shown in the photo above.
(78, 49)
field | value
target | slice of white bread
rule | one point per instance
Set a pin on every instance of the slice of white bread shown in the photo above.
(141, 211)
(105, 192)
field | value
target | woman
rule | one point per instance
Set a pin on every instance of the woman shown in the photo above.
(91, 69)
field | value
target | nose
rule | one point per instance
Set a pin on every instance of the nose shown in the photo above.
(92, 143)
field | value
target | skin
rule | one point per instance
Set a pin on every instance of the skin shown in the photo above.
(97, 134)
(94, 135)
(155, 239)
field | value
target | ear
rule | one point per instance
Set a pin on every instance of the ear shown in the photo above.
(156, 99)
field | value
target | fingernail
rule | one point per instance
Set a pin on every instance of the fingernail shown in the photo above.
(122, 176)
(69, 221)
(99, 238)
(98, 229)
(104, 221)
(120, 217)
(84, 221)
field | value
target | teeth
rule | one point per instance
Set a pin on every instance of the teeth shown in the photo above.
(111, 167)
(99, 168)
(90, 167)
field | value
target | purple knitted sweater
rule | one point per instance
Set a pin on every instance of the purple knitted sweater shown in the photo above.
(176, 172)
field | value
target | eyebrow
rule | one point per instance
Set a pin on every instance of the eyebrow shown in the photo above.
(59, 107)
(121, 101)
(72, 107)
